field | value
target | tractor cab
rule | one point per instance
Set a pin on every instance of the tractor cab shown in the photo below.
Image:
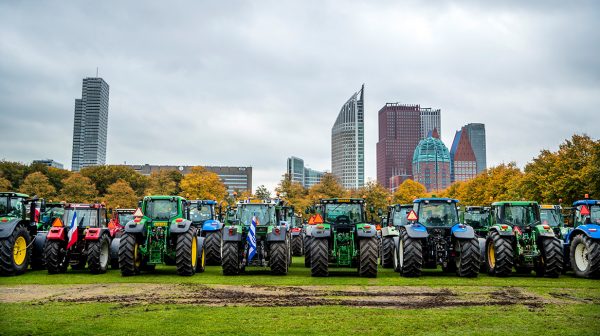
(202, 211)
(53, 211)
(436, 212)
(552, 215)
(12, 205)
(262, 211)
(523, 214)
(586, 212)
(344, 213)
(397, 214)
(478, 217)
(84, 215)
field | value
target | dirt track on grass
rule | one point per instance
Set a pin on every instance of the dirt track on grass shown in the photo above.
(408, 297)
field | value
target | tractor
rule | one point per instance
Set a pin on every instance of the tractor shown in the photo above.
(205, 219)
(582, 240)
(116, 226)
(396, 217)
(479, 219)
(433, 236)
(163, 234)
(18, 229)
(341, 237)
(307, 229)
(517, 238)
(81, 237)
(258, 236)
(552, 215)
(297, 234)
(50, 213)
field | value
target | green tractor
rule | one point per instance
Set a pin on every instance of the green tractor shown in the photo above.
(161, 235)
(18, 227)
(341, 237)
(396, 217)
(517, 238)
(258, 236)
(551, 214)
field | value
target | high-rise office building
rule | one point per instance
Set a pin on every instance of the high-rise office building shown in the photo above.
(476, 134)
(49, 163)
(298, 173)
(90, 124)
(312, 177)
(430, 120)
(348, 142)
(431, 163)
(463, 162)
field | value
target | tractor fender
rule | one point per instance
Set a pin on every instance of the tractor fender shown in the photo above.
(6, 229)
(200, 241)
(416, 231)
(461, 231)
(396, 241)
(481, 242)
(320, 233)
(590, 230)
(366, 233)
(95, 233)
(212, 225)
(274, 236)
(389, 231)
(180, 227)
(56, 233)
(295, 233)
(503, 233)
(114, 248)
(232, 233)
(543, 232)
(132, 227)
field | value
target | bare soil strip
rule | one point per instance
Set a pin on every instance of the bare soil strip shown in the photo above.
(408, 297)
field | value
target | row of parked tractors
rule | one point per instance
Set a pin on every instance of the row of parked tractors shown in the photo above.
(430, 232)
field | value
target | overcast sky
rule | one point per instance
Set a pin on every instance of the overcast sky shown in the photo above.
(253, 82)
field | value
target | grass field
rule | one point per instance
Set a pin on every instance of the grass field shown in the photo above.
(255, 303)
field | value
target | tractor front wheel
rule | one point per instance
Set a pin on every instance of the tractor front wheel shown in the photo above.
(186, 252)
(410, 255)
(499, 254)
(468, 258)
(319, 257)
(387, 252)
(278, 258)
(307, 245)
(130, 258)
(297, 245)
(212, 247)
(550, 262)
(15, 252)
(56, 256)
(367, 266)
(585, 256)
(98, 254)
(231, 258)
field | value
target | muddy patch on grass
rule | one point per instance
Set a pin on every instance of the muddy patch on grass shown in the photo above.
(406, 297)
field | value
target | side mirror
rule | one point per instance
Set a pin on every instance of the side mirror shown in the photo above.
(140, 204)
(379, 212)
(371, 209)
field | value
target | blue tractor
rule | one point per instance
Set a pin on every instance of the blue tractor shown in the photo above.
(582, 239)
(434, 236)
(203, 215)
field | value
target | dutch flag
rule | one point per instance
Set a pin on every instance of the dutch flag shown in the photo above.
(251, 238)
(73, 231)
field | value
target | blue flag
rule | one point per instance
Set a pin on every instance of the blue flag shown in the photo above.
(251, 238)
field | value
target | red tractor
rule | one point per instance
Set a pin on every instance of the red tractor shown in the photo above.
(116, 226)
(81, 237)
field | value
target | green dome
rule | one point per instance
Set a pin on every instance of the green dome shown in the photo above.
(430, 150)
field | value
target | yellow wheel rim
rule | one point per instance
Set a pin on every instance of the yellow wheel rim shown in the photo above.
(491, 254)
(194, 251)
(202, 261)
(137, 260)
(20, 250)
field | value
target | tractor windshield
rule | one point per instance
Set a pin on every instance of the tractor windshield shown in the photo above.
(162, 209)
(593, 218)
(10, 206)
(84, 217)
(51, 213)
(438, 214)
(344, 213)
(520, 215)
(201, 215)
(264, 214)
(125, 217)
(476, 219)
(550, 217)
(400, 217)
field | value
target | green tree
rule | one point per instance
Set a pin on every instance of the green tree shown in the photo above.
(164, 182)
(408, 191)
(376, 196)
(104, 176)
(329, 187)
(79, 189)
(5, 184)
(262, 192)
(121, 195)
(15, 172)
(294, 193)
(37, 184)
(202, 184)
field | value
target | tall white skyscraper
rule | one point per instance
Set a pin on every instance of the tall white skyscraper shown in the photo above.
(430, 120)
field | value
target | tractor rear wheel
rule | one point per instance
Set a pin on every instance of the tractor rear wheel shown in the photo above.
(278, 258)
(307, 246)
(387, 252)
(550, 262)
(231, 258)
(130, 258)
(297, 245)
(468, 258)
(212, 247)
(186, 252)
(410, 255)
(367, 266)
(38, 261)
(98, 254)
(585, 256)
(15, 252)
(319, 257)
(56, 256)
(499, 254)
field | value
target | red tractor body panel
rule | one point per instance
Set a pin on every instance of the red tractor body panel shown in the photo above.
(56, 233)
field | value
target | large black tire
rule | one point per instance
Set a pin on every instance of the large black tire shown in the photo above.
(468, 258)
(278, 258)
(56, 256)
(186, 253)
(387, 252)
(551, 261)
(11, 264)
(367, 266)
(410, 255)
(307, 247)
(212, 247)
(130, 260)
(585, 256)
(319, 257)
(396, 264)
(499, 254)
(231, 258)
(201, 262)
(38, 260)
(98, 254)
(297, 245)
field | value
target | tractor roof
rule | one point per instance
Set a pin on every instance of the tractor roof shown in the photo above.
(474, 208)
(13, 194)
(163, 197)
(342, 200)
(84, 206)
(550, 207)
(257, 201)
(515, 203)
(586, 202)
(125, 210)
(207, 202)
(436, 200)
